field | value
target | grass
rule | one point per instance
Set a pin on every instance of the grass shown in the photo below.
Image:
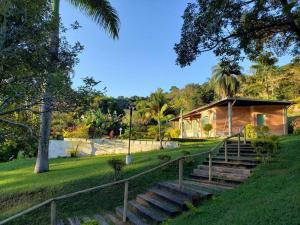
(270, 197)
(20, 188)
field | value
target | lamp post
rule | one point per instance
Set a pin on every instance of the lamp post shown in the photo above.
(120, 129)
(128, 156)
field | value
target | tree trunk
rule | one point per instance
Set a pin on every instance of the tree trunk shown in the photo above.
(42, 163)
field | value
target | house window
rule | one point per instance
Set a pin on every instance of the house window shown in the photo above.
(260, 120)
(204, 120)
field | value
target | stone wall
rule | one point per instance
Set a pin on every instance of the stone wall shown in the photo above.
(59, 148)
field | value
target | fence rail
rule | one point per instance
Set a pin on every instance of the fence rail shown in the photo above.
(52, 201)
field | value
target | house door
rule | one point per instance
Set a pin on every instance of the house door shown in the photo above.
(260, 120)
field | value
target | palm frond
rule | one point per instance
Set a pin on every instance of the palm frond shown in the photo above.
(102, 13)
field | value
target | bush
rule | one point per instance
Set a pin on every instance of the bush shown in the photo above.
(172, 132)
(81, 131)
(91, 222)
(250, 131)
(73, 152)
(262, 131)
(263, 146)
(9, 148)
(207, 128)
(117, 165)
(297, 131)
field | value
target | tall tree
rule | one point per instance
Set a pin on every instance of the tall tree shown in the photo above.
(226, 83)
(161, 117)
(265, 69)
(156, 101)
(103, 14)
(230, 28)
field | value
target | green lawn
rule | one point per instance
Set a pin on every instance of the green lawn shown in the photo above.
(20, 188)
(270, 197)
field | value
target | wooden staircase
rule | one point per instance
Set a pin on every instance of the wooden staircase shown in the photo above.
(167, 199)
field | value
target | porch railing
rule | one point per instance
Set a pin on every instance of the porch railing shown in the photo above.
(180, 160)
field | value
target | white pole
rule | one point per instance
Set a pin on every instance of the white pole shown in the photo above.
(181, 123)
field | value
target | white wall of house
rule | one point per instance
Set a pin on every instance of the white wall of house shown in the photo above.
(88, 147)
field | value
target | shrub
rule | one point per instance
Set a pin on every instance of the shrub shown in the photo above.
(250, 131)
(164, 158)
(91, 222)
(297, 131)
(117, 165)
(172, 132)
(207, 128)
(262, 146)
(73, 152)
(10, 147)
(81, 131)
(262, 131)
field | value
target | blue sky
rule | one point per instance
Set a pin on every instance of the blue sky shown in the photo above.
(143, 59)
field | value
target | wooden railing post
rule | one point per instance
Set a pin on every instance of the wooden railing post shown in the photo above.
(239, 145)
(209, 167)
(180, 172)
(125, 202)
(53, 213)
(225, 151)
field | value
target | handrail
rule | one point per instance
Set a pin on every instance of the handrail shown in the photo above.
(22, 213)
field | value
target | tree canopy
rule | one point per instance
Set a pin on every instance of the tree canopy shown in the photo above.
(232, 28)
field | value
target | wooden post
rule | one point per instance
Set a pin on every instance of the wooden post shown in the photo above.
(239, 145)
(285, 125)
(209, 167)
(181, 123)
(229, 118)
(125, 202)
(225, 151)
(245, 135)
(53, 213)
(180, 172)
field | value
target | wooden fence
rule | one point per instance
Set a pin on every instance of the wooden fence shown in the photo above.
(180, 160)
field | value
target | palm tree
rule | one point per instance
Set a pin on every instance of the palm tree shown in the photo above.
(106, 17)
(226, 83)
(157, 101)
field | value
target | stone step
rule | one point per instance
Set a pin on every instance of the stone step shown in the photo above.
(148, 212)
(194, 196)
(131, 217)
(170, 197)
(113, 219)
(236, 159)
(222, 169)
(74, 221)
(101, 220)
(235, 142)
(216, 176)
(212, 187)
(150, 200)
(242, 150)
(232, 164)
(236, 146)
